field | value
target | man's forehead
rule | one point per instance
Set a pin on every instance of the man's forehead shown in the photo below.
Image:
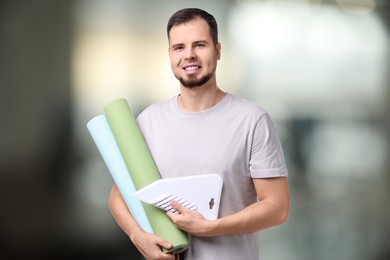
(192, 31)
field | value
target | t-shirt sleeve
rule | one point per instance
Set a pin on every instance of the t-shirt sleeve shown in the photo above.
(266, 158)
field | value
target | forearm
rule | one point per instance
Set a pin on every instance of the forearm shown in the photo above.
(258, 216)
(271, 210)
(147, 244)
(121, 213)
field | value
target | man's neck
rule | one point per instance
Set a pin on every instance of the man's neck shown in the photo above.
(199, 99)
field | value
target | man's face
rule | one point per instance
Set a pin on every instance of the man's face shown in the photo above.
(192, 53)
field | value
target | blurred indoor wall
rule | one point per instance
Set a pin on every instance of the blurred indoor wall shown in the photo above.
(320, 68)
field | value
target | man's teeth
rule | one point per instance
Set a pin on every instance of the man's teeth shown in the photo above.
(192, 68)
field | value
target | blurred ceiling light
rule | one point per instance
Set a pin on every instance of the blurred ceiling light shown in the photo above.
(265, 27)
(284, 2)
(260, 28)
(296, 55)
(357, 6)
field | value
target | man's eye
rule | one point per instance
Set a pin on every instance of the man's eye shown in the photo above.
(177, 48)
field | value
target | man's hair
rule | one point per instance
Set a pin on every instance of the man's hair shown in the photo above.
(189, 14)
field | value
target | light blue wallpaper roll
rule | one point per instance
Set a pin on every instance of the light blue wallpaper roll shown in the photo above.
(103, 137)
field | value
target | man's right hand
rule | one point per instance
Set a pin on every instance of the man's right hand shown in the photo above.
(149, 245)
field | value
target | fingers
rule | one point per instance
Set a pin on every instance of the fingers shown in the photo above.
(164, 244)
(188, 220)
(180, 212)
(150, 246)
(178, 207)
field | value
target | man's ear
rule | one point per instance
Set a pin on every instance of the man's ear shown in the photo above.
(218, 47)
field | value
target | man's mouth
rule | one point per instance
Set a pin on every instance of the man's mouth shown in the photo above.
(191, 68)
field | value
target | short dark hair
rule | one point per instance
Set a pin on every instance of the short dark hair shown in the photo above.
(189, 14)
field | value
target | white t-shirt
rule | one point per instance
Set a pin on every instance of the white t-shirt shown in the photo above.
(235, 139)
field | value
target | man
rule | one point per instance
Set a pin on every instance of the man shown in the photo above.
(205, 130)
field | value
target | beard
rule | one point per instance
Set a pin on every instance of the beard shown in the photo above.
(193, 82)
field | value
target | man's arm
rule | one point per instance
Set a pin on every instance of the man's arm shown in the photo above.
(148, 244)
(272, 209)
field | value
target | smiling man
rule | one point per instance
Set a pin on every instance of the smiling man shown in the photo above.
(193, 53)
(205, 130)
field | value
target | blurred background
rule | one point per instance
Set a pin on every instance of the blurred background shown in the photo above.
(319, 67)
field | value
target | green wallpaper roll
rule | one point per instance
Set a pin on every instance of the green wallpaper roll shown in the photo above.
(142, 168)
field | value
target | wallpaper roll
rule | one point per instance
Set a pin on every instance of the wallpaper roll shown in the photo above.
(142, 168)
(104, 139)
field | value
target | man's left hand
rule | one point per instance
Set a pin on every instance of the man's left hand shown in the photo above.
(190, 221)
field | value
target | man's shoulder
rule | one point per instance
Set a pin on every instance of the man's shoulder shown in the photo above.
(248, 107)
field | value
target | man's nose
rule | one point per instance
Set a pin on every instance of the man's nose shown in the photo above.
(190, 54)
